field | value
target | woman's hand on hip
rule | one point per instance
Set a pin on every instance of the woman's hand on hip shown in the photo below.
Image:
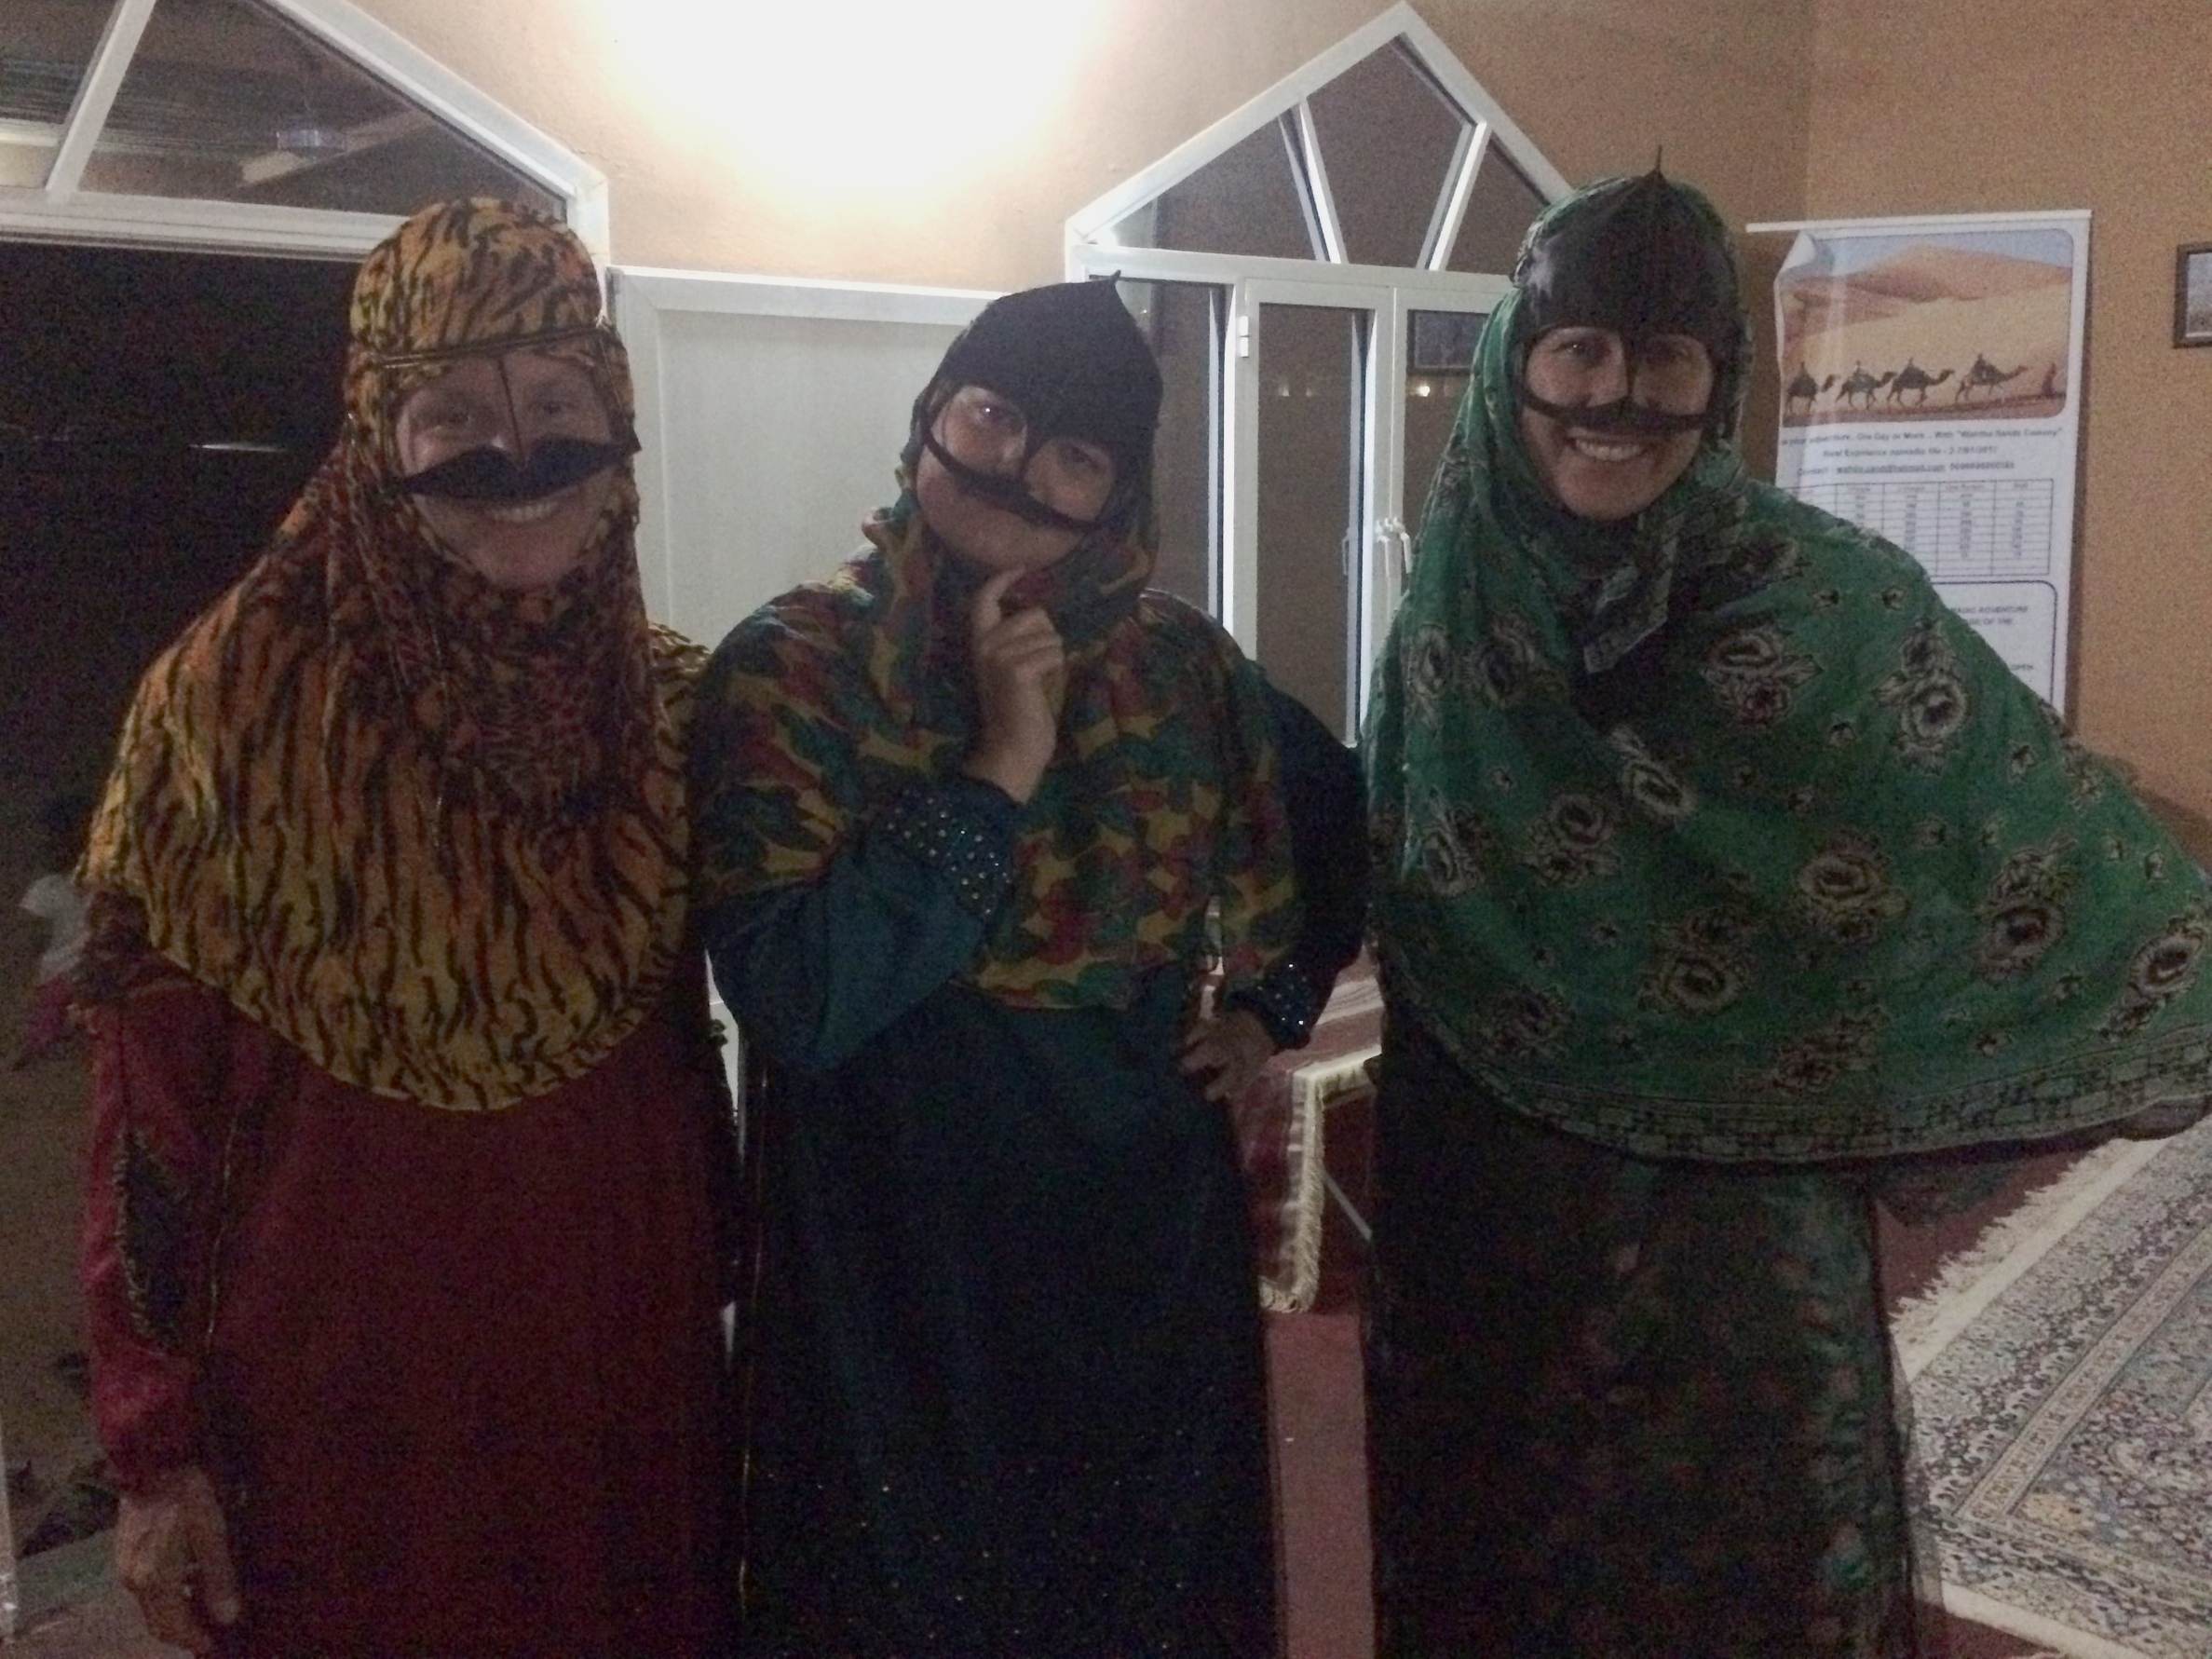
(1020, 665)
(172, 1553)
(1231, 1047)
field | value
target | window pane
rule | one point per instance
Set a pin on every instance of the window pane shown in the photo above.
(1247, 200)
(1183, 321)
(1312, 382)
(1386, 139)
(227, 101)
(1499, 210)
(1439, 355)
(44, 47)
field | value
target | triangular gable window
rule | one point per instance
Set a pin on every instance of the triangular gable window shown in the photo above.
(1250, 200)
(254, 121)
(1314, 271)
(225, 101)
(45, 51)
(1383, 121)
(1501, 207)
(1396, 159)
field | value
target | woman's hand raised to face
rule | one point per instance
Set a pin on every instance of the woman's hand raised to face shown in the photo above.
(1020, 666)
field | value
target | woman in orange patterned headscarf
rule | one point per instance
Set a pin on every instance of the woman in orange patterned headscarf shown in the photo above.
(401, 1240)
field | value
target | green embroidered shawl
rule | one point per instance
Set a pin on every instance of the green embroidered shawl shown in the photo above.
(1717, 836)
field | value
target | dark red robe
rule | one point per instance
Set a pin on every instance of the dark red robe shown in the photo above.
(459, 1377)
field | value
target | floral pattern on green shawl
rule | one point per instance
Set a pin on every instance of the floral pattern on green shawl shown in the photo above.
(1829, 882)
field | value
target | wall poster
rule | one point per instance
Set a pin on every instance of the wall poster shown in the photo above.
(1930, 371)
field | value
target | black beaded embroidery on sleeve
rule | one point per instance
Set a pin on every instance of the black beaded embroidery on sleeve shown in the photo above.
(152, 1224)
(1287, 1001)
(962, 833)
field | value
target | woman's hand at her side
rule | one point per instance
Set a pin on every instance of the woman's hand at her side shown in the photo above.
(172, 1553)
(1231, 1047)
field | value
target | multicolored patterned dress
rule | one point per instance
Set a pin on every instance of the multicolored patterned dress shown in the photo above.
(1726, 883)
(404, 1220)
(1000, 1362)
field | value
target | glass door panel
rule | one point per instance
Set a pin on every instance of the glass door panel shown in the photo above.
(1183, 322)
(1311, 428)
(1439, 355)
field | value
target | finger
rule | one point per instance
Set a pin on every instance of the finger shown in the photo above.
(1032, 626)
(988, 607)
(1033, 619)
(167, 1612)
(1032, 662)
(217, 1577)
(1201, 1055)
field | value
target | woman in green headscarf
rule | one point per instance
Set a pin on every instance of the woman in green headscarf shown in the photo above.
(1726, 883)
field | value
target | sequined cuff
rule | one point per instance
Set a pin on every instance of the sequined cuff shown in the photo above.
(1286, 1002)
(962, 831)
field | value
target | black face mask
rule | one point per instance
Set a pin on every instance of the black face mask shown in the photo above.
(1075, 362)
(489, 474)
(1620, 418)
(1010, 491)
(1640, 262)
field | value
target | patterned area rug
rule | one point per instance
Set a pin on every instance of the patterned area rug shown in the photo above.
(1281, 1122)
(2062, 1397)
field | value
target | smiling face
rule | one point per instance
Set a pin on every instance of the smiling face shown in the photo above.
(1605, 475)
(507, 403)
(982, 429)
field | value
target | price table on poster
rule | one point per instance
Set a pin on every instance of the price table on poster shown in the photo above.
(1960, 530)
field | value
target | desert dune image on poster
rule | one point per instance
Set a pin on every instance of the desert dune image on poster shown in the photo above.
(1945, 325)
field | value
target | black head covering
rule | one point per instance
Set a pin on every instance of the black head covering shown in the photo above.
(1641, 261)
(1072, 357)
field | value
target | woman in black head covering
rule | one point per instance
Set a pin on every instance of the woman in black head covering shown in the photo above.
(965, 810)
(1724, 882)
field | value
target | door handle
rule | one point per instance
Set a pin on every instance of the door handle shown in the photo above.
(1393, 542)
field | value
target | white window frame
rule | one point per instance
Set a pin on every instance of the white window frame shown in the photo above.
(1388, 293)
(60, 211)
(640, 296)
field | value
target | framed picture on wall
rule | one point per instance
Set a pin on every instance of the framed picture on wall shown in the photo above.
(2193, 295)
(1444, 342)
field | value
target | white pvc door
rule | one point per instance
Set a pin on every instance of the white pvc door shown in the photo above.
(1340, 399)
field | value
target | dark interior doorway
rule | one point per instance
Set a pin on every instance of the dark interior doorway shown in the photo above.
(159, 413)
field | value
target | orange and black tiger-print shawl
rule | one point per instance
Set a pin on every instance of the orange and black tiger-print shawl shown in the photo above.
(429, 830)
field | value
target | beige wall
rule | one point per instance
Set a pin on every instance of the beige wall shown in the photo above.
(1988, 105)
(713, 164)
(1598, 84)
(819, 155)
